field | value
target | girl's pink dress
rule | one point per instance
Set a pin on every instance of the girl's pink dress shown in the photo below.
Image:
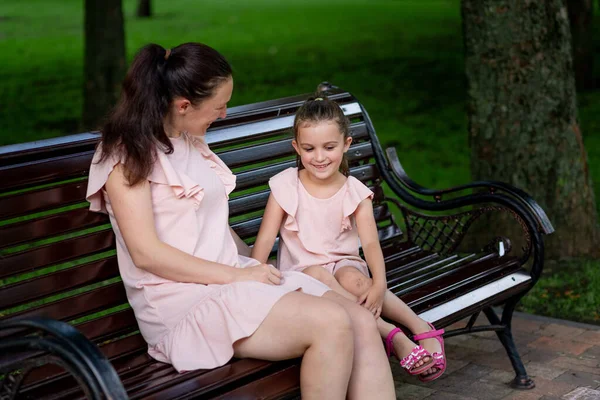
(192, 325)
(318, 231)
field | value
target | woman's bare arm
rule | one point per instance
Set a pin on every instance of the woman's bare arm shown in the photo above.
(132, 207)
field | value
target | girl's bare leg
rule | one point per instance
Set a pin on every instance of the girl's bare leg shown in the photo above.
(321, 274)
(316, 328)
(371, 374)
(393, 308)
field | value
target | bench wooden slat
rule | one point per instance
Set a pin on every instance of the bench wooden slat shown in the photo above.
(60, 281)
(282, 383)
(45, 171)
(52, 225)
(263, 129)
(51, 254)
(276, 149)
(43, 199)
(79, 305)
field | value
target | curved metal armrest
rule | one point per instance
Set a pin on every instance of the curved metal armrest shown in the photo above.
(540, 216)
(69, 344)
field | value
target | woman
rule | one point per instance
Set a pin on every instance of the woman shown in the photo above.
(198, 301)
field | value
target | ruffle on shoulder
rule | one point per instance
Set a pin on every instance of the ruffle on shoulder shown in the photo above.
(162, 172)
(284, 187)
(223, 172)
(98, 176)
(182, 185)
(356, 192)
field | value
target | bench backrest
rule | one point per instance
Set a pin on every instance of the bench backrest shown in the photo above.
(58, 260)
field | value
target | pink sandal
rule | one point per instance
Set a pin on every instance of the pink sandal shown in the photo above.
(439, 358)
(416, 355)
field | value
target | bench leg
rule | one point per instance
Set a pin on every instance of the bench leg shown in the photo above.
(522, 380)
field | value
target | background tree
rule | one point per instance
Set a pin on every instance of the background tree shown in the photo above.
(581, 16)
(104, 63)
(144, 9)
(522, 113)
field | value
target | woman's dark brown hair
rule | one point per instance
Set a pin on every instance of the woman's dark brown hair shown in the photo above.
(155, 77)
(320, 109)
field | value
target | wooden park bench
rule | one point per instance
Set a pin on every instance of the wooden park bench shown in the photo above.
(66, 329)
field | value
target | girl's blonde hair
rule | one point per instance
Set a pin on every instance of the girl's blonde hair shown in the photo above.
(320, 109)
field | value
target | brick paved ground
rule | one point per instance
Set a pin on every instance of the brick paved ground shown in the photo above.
(562, 358)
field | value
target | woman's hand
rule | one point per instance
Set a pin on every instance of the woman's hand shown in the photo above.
(372, 299)
(264, 273)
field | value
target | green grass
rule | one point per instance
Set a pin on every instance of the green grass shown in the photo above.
(402, 59)
(567, 290)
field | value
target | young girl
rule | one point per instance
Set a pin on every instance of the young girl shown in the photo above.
(320, 213)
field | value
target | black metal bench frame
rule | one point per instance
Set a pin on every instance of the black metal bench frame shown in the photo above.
(424, 264)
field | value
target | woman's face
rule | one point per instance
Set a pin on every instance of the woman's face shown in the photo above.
(198, 118)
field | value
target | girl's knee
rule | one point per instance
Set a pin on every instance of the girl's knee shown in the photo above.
(355, 282)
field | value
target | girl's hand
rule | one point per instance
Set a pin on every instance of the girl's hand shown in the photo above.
(264, 273)
(372, 299)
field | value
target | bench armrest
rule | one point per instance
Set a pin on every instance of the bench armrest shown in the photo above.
(522, 197)
(56, 343)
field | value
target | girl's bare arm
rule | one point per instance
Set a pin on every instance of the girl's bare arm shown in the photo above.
(369, 239)
(269, 228)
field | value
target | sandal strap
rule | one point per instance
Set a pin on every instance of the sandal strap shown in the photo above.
(430, 334)
(389, 346)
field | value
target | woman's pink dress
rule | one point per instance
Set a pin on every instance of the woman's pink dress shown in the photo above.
(192, 325)
(318, 231)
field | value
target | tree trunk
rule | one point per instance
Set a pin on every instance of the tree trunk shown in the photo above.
(144, 9)
(104, 66)
(581, 15)
(522, 113)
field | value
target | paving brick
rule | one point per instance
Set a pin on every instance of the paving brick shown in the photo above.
(579, 378)
(474, 371)
(551, 388)
(487, 391)
(526, 325)
(498, 360)
(448, 396)
(480, 344)
(454, 365)
(577, 364)
(522, 395)
(582, 393)
(538, 355)
(454, 383)
(560, 331)
(591, 337)
(535, 369)
(412, 392)
(559, 345)
(499, 377)
(592, 352)
(455, 352)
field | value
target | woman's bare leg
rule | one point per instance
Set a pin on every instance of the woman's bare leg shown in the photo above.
(371, 374)
(393, 308)
(316, 328)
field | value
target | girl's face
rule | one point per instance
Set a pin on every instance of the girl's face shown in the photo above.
(198, 118)
(321, 147)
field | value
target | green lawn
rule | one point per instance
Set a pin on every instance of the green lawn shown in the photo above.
(402, 59)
